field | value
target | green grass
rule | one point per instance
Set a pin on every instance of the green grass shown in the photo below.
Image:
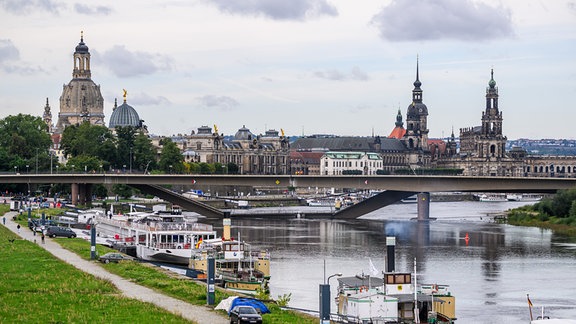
(36, 287)
(172, 285)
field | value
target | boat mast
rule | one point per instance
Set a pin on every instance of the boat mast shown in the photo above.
(416, 312)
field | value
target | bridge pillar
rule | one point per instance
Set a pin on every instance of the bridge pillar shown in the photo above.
(423, 206)
(82, 194)
(74, 189)
(88, 191)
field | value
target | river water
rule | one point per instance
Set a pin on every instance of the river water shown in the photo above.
(490, 276)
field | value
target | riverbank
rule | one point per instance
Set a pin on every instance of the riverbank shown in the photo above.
(178, 295)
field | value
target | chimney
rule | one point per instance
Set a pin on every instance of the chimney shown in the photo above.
(390, 246)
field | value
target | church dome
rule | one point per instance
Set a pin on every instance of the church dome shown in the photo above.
(417, 109)
(81, 47)
(124, 115)
(243, 134)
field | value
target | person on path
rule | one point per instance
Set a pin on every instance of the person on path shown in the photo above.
(18, 227)
(4, 220)
(42, 237)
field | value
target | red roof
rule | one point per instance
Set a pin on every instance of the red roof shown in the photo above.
(398, 132)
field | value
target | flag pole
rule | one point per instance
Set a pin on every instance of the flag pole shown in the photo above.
(530, 306)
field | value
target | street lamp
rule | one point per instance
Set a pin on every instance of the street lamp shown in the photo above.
(27, 166)
(334, 275)
(325, 299)
(130, 159)
(170, 166)
(16, 169)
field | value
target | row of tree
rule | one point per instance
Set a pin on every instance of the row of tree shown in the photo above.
(25, 147)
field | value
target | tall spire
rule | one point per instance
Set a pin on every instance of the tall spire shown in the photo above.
(417, 83)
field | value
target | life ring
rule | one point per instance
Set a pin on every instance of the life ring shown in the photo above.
(363, 288)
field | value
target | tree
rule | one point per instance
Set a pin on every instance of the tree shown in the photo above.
(23, 138)
(144, 158)
(125, 146)
(89, 140)
(171, 159)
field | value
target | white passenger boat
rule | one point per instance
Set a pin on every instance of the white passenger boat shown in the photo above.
(493, 198)
(155, 236)
(541, 318)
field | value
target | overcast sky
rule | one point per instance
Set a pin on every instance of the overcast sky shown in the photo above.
(306, 66)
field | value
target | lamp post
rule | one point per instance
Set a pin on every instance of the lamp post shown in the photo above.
(15, 169)
(130, 159)
(325, 299)
(170, 166)
(27, 166)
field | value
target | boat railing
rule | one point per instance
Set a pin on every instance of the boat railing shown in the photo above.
(157, 226)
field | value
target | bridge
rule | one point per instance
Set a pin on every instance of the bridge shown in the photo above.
(394, 187)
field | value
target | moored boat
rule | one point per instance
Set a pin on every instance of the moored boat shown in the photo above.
(237, 266)
(492, 198)
(156, 237)
(395, 298)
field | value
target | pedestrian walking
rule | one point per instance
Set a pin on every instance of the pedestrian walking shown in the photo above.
(42, 237)
(18, 227)
(4, 220)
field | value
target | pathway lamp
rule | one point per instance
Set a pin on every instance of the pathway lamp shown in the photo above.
(27, 166)
(15, 169)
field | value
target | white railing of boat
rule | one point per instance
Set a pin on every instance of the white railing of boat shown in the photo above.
(154, 226)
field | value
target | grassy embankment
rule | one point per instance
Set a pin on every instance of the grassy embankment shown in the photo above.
(557, 214)
(170, 284)
(38, 288)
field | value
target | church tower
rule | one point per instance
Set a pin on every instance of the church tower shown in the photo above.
(416, 137)
(47, 117)
(81, 99)
(491, 142)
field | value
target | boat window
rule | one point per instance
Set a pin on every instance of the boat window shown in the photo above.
(395, 279)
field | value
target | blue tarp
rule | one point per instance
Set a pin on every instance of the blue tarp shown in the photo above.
(242, 301)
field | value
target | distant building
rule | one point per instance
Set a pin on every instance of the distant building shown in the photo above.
(251, 154)
(360, 163)
(125, 116)
(81, 99)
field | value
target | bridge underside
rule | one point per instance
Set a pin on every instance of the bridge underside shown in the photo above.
(373, 203)
(186, 203)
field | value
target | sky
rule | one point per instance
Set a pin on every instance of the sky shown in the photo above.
(303, 66)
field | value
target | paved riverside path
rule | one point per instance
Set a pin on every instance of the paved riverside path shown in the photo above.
(198, 314)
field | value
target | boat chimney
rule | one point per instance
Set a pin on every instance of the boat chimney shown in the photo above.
(226, 222)
(390, 246)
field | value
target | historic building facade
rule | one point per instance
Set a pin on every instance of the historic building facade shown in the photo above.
(252, 154)
(81, 99)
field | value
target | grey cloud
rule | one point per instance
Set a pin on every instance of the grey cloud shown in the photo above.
(408, 20)
(277, 10)
(355, 74)
(25, 6)
(92, 10)
(221, 102)
(125, 63)
(572, 6)
(8, 52)
(147, 100)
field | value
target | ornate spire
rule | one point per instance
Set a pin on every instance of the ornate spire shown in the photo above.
(492, 83)
(417, 83)
(399, 122)
(125, 94)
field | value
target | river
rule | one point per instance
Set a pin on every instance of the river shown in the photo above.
(490, 276)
